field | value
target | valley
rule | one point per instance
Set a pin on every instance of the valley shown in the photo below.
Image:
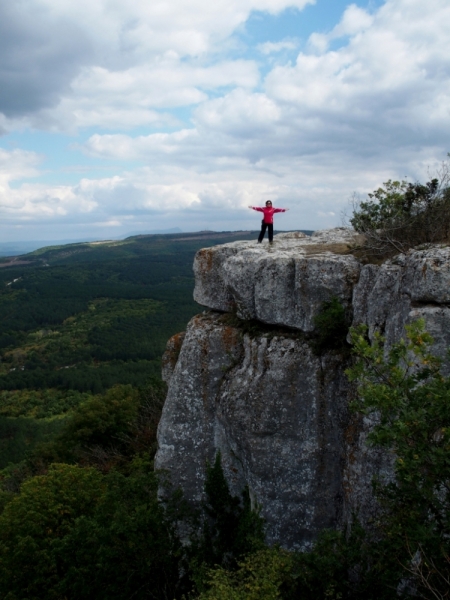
(78, 319)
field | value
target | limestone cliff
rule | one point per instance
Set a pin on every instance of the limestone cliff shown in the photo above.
(245, 379)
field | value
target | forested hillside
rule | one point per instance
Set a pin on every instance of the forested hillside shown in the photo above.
(77, 319)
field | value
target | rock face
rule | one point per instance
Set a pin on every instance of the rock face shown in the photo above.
(276, 412)
(412, 286)
(283, 286)
(247, 382)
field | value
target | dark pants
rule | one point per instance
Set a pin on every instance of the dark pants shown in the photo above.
(264, 226)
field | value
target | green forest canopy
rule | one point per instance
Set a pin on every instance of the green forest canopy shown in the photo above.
(78, 319)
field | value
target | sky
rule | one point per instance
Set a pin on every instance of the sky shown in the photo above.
(122, 117)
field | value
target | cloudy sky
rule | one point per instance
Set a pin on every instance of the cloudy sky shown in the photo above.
(120, 117)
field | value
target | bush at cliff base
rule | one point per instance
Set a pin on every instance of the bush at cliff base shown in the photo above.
(260, 577)
(405, 392)
(108, 429)
(229, 531)
(402, 215)
(338, 567)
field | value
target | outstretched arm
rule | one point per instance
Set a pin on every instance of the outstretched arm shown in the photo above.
(257, 208)
(277, 210)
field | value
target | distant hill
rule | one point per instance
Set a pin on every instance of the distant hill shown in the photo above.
(9, 249)
(22, 247)
(152, 232)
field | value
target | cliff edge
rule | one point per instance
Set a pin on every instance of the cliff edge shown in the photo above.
(246, 378)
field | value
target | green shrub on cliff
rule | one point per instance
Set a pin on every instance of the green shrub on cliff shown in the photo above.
(402, 215)
(409, 397)
(331, 324)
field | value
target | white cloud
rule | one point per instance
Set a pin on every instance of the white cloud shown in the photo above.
(384, 89)
(16, 165)
(192, 199)
(110, 223)
(60, 59)
(351, 117)
(271, 47)
(354, 21)
(31, 200)
(387, 85)
(128, 98)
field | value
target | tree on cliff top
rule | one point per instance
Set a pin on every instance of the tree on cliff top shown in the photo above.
(402, 215)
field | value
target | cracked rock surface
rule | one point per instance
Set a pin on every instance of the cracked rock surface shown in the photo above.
(406, 288)
(284, 284)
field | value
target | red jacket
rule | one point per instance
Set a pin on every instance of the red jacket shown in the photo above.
(268, 212)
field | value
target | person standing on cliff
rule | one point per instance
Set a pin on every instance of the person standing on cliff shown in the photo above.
(267, 221)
